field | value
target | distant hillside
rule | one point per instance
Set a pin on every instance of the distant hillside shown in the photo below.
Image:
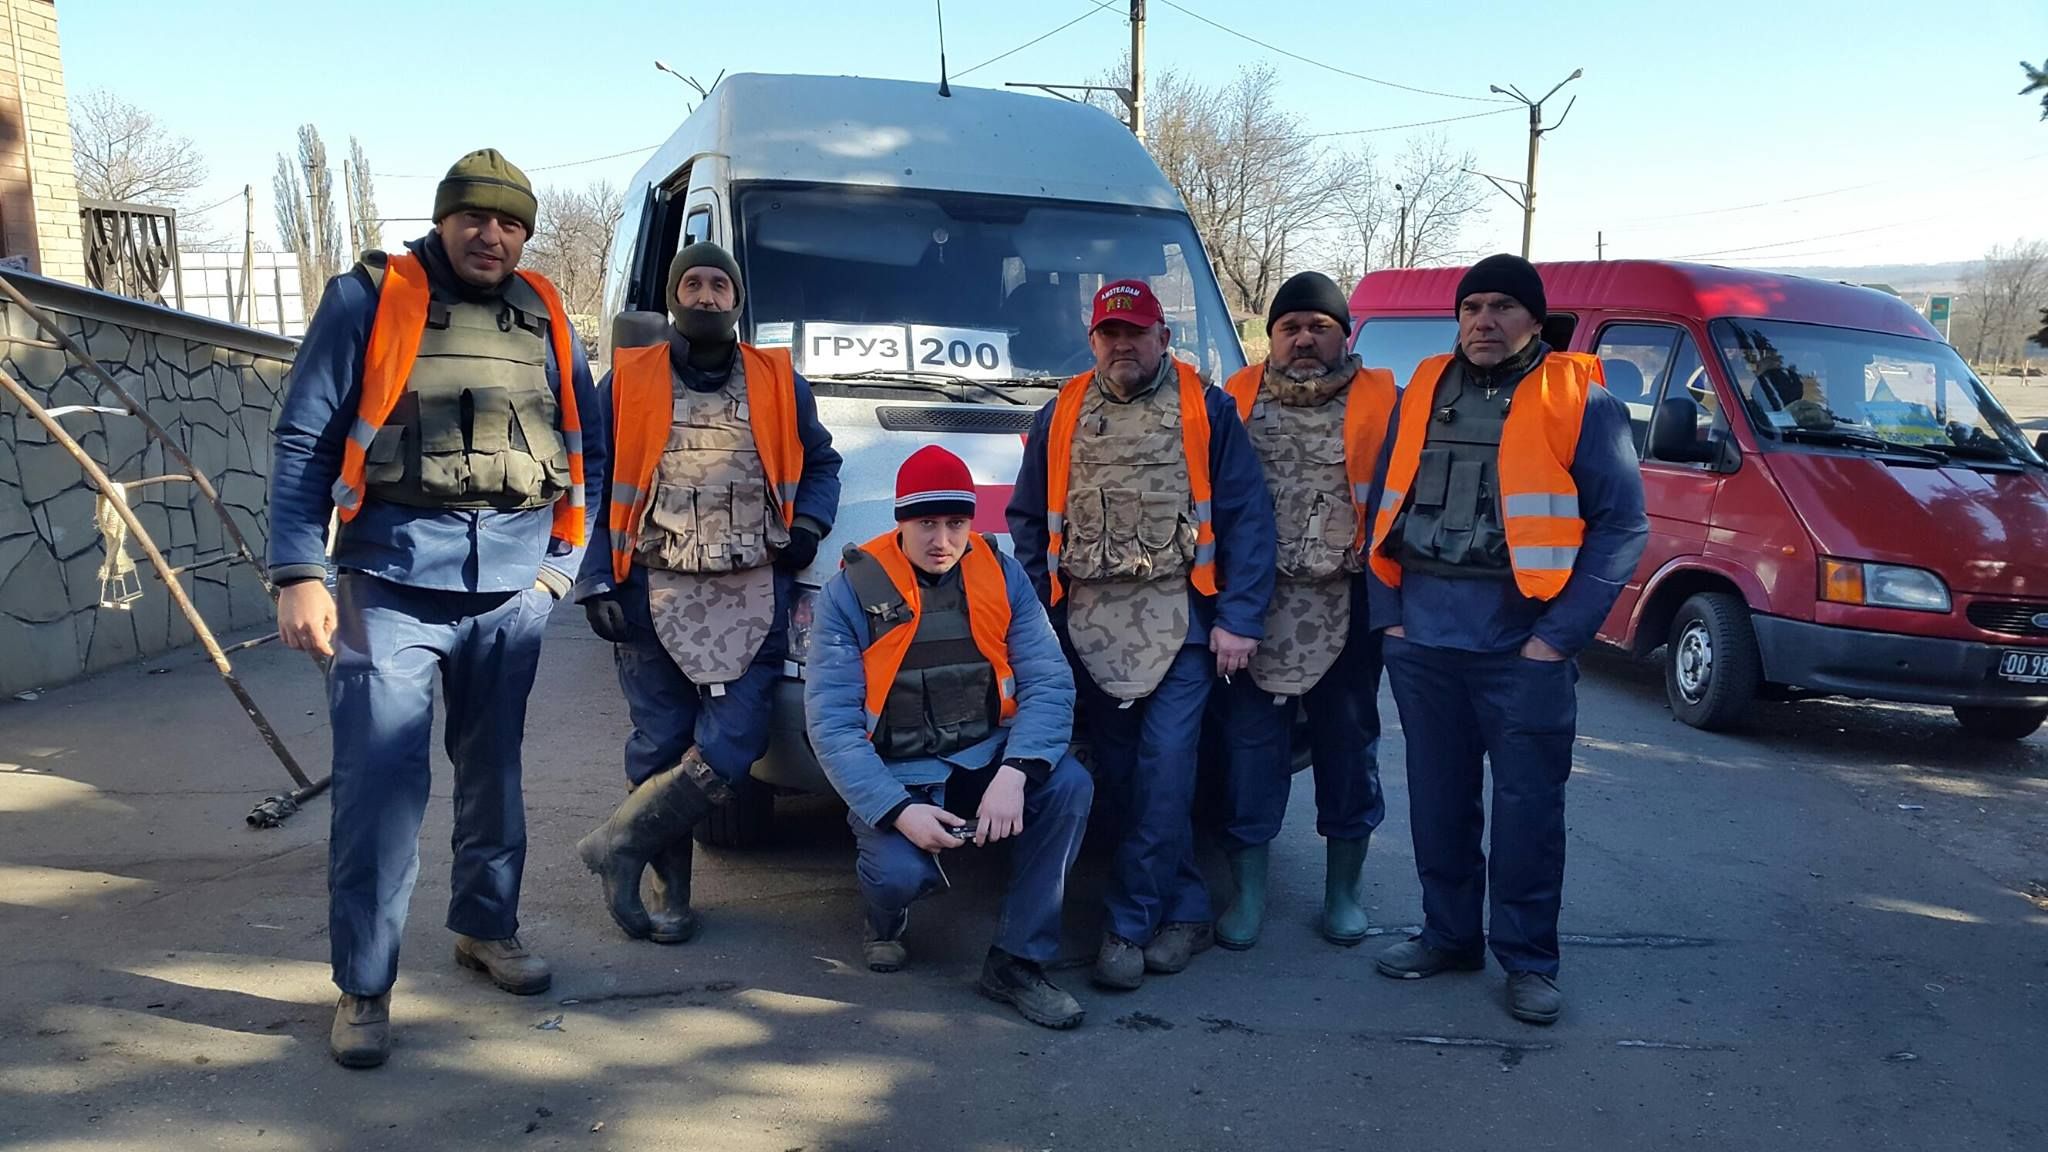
(1907, 278)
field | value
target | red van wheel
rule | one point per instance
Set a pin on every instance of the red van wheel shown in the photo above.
(1711, 666)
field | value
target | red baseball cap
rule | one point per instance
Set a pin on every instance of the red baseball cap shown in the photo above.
(1129, 302)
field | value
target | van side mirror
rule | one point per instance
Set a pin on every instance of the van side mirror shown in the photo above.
(638, 329)
(1674, 434)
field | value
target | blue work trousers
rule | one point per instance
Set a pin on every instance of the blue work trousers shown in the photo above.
(893, 872)
(1145, 769)
(390, 643)
(729, 726)
(1521, 716)
(1344, 743)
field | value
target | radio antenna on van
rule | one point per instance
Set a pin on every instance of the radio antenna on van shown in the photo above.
(945, 89)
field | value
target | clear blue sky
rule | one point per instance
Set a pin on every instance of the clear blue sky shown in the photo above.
(1685, 112)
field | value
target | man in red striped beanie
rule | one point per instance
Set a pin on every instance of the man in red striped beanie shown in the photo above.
(936, 687)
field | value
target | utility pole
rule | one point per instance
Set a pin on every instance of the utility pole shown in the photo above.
(1600, 245)
(348, 199)
(249, 254)
(1527, 199)
(1401, 232)
(1138, 69)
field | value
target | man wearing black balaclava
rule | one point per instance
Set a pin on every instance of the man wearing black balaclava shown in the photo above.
(722, 485)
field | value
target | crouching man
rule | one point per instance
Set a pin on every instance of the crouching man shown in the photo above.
(935, 687)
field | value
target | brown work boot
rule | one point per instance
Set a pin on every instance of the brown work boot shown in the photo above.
(1177, 944)
(1533, 998)
(887, 953)
(507, 962)
(1119, 964)
(361, 1036)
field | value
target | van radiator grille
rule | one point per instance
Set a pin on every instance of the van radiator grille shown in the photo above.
(2012, 617)
(964, 418)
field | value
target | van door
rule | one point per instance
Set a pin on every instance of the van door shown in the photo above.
(1646, 363)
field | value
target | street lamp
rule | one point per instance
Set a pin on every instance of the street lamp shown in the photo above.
(1527, 200)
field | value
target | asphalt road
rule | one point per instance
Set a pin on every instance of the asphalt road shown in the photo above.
(1817, 934)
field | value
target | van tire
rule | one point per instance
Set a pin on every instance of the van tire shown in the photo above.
(2000, 723)
(742, 822)
(1712, 669)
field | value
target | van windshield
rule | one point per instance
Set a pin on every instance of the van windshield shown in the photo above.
(872, 283)
(1865, 391)
(1401, 343)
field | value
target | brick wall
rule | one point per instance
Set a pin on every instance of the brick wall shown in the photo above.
(38, 187)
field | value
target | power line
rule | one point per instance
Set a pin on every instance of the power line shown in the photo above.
(536, 168)
(1100, 6)
(210, 207)
(1328, 67)
(1413, 124)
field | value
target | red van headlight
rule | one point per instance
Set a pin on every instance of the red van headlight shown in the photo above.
(1882, 586)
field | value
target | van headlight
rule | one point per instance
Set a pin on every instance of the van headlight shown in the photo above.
(803, 612)
(1882, 586)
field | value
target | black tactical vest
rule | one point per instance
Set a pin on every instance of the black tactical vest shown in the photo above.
(478, 425)
(944, 698)
(1452, 524)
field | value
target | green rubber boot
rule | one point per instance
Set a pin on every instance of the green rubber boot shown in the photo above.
(1344, 919)
(1238, 928)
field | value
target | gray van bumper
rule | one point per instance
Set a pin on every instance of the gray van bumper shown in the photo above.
(1888, 666)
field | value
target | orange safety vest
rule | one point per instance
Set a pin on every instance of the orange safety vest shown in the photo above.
(1538, 499)
(1372, 399)
(387, 364)
(988, 617)
(643, 408)
(1194, 436)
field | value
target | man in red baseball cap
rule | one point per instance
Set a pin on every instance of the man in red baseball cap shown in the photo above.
(937, 687)
(1142, 515)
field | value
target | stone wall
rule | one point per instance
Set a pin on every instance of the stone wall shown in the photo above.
(215, 387)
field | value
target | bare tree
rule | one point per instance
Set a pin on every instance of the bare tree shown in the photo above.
(2011, 288)
(124, 153)
(1443, 199)
(571, 245)
(365, 230)
(305, 215)
(2037, 81)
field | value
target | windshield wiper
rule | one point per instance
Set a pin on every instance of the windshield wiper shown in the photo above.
(1845, 437)
(928, 381)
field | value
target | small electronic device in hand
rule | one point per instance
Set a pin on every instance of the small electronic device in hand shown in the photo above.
(966, 831)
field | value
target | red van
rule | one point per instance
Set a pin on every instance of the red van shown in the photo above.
(1838, 507)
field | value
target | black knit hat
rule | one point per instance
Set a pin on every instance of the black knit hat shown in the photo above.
(1508, 275)
(1310, 292)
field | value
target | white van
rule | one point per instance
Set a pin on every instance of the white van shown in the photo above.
(929, 261)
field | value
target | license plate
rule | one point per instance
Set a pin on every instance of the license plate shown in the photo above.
(2023, 667)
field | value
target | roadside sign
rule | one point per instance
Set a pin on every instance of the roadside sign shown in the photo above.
(1937, 311)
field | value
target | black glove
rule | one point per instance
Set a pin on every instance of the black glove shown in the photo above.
(799, 552)
(607, 618)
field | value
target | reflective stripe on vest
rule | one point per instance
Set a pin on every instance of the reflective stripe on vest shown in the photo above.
(1366, 411)
(643, 407)
(394, 345)
(988, 616)
(1059, 463)
(1538, 499)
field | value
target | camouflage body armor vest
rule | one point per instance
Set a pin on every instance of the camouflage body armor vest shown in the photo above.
(1130, 538)
(944, 696)
(1452, 525)
(709, 534)
(477, 425)
(1301, 447)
